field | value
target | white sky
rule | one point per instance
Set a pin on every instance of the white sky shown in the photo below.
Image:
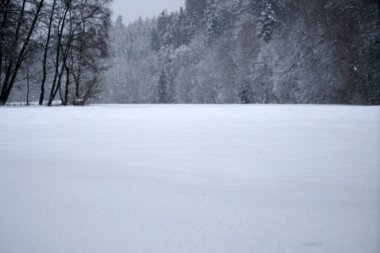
(132, 9)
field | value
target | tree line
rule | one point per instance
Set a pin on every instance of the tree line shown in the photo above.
(249, 51)
(55, 49)
(209, 51)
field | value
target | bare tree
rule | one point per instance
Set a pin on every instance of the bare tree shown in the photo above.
(46, 49)
(81, 45)
(19, 43)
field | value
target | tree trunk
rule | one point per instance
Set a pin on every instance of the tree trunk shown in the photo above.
(44, 66)
(66, 96)
(55, 84)
(27, 86)
(59, 75)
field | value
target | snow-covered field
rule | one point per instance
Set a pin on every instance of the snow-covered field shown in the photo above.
(196, 178)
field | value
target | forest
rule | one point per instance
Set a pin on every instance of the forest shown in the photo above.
(209, 51)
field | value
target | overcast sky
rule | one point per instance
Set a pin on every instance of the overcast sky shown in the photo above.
(132, 9)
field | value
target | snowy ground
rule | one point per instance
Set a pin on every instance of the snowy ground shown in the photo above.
(193, 179)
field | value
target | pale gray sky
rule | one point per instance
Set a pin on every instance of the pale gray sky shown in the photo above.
(132, 9)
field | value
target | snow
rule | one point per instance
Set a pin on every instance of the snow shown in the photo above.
(190, 178)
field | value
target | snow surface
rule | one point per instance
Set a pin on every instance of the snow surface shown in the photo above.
(196, 178)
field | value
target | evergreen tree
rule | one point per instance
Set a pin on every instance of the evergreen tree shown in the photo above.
(155, 41)
(163, 88)
(266, 22)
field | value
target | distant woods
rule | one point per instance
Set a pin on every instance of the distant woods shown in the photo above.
(54, 49)
(249, 51)
(210, 51)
